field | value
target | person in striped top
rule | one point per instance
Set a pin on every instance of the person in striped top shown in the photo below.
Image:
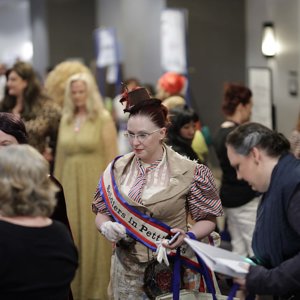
(158, 182)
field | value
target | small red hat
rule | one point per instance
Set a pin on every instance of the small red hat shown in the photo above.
(133, 97)
(172, 82)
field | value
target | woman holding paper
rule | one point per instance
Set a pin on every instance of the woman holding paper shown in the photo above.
(262, 157)
(153, 188)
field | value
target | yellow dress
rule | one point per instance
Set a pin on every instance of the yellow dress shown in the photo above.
(81, 158)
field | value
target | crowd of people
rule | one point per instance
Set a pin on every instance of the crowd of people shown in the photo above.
(142, 169)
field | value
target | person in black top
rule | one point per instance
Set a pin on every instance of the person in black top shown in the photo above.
(13, 131)
(38, 256)
(262, 157)
(238, 199)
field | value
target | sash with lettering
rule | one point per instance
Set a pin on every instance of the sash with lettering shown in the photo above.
(147, 230)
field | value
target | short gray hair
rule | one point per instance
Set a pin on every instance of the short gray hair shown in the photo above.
(249, 135)
(25, 186)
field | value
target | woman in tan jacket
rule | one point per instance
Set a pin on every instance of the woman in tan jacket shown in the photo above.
(153, 181)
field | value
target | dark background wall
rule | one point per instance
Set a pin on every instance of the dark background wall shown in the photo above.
(70, 28)
(216, 52)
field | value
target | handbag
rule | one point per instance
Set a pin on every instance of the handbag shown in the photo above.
(157, 284)
(196, 295)
(193, 295)
(157, 279)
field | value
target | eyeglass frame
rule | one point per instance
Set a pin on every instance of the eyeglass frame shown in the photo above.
(132, 136)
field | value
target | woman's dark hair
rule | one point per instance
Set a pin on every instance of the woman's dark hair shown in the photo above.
(179, 116)
(13, 125)
(234, 94)
(243, 138)
(32, 92)
(152, 108)
(139, 102)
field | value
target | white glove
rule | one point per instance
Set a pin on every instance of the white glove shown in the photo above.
(161, 253)
(216, 239)
(113, 231)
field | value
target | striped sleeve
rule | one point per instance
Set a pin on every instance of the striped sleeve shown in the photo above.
(203, 198)
(98, 204)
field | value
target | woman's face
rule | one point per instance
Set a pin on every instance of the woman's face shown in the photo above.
(249, 168)
(79, 93)
(15, 84)
(187, 131)
(7, 139)
(145, 138)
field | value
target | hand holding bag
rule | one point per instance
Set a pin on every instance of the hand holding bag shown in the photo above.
(195, 295)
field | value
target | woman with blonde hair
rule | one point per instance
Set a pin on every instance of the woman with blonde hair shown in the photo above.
(93, 101)
(38, 256)
(55, 83)
(86, 143)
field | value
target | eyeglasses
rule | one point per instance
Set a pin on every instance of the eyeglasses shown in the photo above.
(141, 137)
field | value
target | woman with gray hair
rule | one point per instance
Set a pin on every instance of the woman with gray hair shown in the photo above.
(13, 132)
(262, 157)
(38, 257)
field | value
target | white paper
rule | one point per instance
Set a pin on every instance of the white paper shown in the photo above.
(220, 260)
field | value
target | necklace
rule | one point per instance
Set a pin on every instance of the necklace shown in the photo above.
(79, 120)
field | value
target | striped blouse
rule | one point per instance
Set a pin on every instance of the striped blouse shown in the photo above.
(202, 198)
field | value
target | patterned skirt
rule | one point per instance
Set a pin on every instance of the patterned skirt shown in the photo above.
(127, 278)
(127, 282)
